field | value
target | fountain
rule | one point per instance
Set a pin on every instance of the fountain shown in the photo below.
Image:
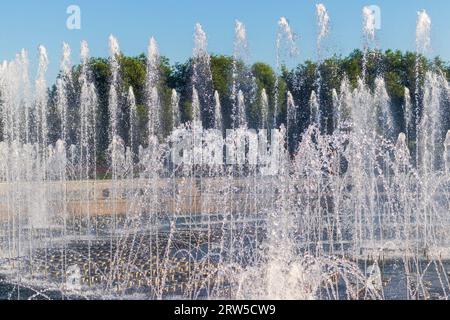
(323, 21)
(286, 48)
(213, 212)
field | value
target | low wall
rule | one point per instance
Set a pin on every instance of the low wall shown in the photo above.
(105, 197)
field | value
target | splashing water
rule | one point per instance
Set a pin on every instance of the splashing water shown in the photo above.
(347, 215)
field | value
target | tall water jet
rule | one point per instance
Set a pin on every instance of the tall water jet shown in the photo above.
(242, 79)
(13, 158)
(286, 41)
(41, 101)
(323, 21)
(202, 77)
(62, 90)
(115, 149)
(447, 153)
(429, 161)
(66, 65)
(429, 99)
(240, 41)
(362, 118)
(264, 113)
(87, 138)
(369, 23)
(430, 125)
(39, 217)
(153, 100)
(134, 121)
(384, 120)
(316, 222)
(154, 123)
(323, 27)
(407, 112)
(202, 104)
(10, 94)
(84, 53)
(343, 110)
(423, 30)
(423, 46)
(175, 105)
(336, 109)
(285, 47)
(369, 32)
(241, 121)
(218, 125)
(196, 113)
(26, 94)
(401, 150)
(88, 115)
(113, 102)
(291, 116)
(314, 109)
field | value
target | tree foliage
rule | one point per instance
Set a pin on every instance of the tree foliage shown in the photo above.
(399, 70)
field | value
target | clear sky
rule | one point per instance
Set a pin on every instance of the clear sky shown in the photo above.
(28, 23)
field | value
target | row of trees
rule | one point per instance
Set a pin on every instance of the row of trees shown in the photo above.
(399, 70)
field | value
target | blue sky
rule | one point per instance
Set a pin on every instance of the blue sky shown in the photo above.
(28, 23)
